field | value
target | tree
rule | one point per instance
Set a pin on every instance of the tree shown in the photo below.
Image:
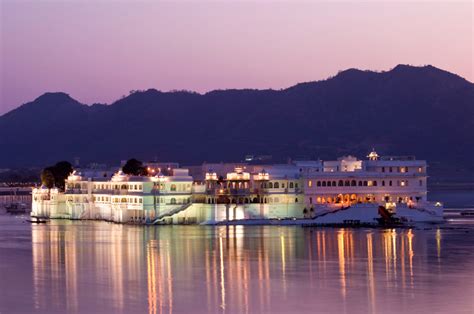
(56, 175)
(134, 167)
(61, 171)
(47, 177)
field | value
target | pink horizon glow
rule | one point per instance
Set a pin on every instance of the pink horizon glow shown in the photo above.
(97, 51)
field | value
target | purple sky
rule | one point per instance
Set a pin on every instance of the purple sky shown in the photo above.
(98, 51)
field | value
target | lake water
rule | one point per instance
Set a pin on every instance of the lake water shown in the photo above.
(99, 267)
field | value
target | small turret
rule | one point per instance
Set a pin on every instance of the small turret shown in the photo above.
(373, 155)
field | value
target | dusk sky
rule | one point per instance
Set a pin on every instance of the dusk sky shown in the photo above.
(97, 51)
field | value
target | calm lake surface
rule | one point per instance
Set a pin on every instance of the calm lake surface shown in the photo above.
(99, 267)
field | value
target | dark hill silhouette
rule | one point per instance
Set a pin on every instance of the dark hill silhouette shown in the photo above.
(408, 110)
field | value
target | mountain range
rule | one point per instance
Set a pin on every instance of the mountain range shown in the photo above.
(422, 111)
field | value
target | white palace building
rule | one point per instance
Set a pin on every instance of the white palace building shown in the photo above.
(347, 189)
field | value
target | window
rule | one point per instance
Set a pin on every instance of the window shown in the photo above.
(311, 200)
(291, 185)
(296, 200)
(270, 185)
(324, 183)
(375, 183)
(383, 169)
(173, 188)
(310, 183)
(390, 169)
(421, 182)
(390, 182)
(383, 183)
(340, 183)
(353, 183)
(318, 183)
(347, 183)
(296, 185)
(276, 185)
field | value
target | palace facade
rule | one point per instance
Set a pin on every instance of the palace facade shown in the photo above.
(225, 192)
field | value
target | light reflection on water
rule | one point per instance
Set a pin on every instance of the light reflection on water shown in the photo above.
(100, 267)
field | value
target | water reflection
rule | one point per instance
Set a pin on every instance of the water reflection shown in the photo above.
(97, 267)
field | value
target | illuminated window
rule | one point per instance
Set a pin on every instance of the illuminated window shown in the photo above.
(310, 183)
(173, 187)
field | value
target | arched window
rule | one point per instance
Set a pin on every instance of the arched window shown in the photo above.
(124, 200)
(383, 183)
(318, 183)
(276, 185)
(173, 201)
(270, 185)
(347, 183)
(360, 183)
(334, 183)
(324, 183)
(311, 200)
(296, 200)
(123, 187)
(365, 183)
(341, 183)
(353, 183)
(173, 187)
(375, 183)
(291, 185)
